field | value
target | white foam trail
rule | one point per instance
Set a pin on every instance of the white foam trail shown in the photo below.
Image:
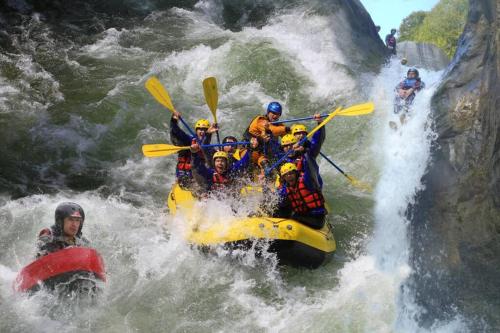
(404, 154)
(109, 46)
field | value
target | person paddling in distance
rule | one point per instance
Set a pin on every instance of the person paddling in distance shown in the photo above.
(390, 41)
(300, 195)
(203, 131)
(66, 231)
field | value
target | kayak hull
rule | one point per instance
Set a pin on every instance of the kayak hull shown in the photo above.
(294, 243)
(73, 266)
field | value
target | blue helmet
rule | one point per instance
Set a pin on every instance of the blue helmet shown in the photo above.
(274, 107)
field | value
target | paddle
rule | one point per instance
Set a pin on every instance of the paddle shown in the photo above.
(309, 135)
(161, 149)
(212, 97)
(156, 89)
(355, 110)
(353, 180)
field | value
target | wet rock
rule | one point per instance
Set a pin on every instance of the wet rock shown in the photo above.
(423, 55)
(455, 228)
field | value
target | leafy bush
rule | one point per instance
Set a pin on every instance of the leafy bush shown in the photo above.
(442, 26)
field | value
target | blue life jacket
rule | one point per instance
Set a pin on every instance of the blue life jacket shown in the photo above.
(409, 83)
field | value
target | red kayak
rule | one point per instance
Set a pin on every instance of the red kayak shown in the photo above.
(60, 266)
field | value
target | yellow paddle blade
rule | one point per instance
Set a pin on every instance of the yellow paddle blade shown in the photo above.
(359, 184)
(323, 123)
(358, 109)
(156, 89)
(158, 150)
(211, 95)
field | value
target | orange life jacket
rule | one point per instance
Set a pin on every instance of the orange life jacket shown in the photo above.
(303, 199)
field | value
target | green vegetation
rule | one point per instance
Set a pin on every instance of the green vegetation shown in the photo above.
(410, 25)
(442, 26)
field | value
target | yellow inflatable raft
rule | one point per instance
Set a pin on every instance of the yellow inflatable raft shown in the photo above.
(294, 243)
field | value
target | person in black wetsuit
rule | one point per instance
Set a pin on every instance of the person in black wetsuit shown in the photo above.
(66, 231)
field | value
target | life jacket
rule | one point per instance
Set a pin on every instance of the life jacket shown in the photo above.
(302, 199)
(410, 83)
(184, 163)
(184, 160)
(219, 181)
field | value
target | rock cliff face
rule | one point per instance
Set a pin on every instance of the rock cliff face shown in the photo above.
(423, 55)
(456, 220)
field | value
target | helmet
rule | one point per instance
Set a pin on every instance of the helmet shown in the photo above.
(229, 137)
(393, 31)
(67, 209)
(202, 123)
(286, 168)
(218, 154)
(414, 70)
(404, 61)
(298, 128)
(288, 139)
(274, 107)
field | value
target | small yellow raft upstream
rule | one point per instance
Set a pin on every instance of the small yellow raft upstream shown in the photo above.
(294, 243)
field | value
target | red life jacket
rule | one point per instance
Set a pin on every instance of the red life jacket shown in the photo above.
(184, 162)
(184, 159)
(219, 181)
(303, 199)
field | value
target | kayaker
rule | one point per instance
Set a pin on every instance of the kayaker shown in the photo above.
(407, 88)
(301, 198)
(66, 231)
(203, 131)
(390, 41)
(222, 175)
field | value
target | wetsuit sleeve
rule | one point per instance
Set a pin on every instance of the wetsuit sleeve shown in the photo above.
(311, 173)
(278, 130)
(177, 135)
(284, 207)
(241, 165)
(82, 241)
(207, 139)
(317, 142)
(200, 172)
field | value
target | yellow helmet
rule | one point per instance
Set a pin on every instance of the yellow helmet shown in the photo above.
(286, 168)
(220, 153)
(298, 128)
(288, 139)
(202, 123)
